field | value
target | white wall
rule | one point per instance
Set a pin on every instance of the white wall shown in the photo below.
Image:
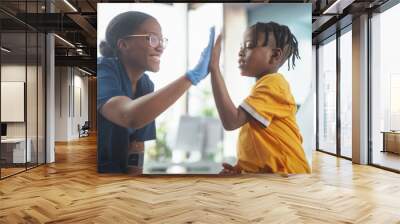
(69, 85)
(61, 105)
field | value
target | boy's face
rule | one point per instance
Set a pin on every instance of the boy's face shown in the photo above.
(254, 58)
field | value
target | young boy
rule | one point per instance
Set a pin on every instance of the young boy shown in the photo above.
(269, 139)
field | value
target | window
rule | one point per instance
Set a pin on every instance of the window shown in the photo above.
(346, 94)
(385, 89)
(327, 96)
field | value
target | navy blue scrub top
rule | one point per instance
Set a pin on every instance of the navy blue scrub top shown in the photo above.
(112, 139)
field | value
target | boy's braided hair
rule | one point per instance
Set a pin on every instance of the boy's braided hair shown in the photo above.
(283, 38)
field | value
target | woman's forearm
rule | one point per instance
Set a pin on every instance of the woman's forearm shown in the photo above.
(141, 111)
(227, 111)
(146, 108)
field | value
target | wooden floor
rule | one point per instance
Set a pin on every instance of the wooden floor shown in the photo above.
(387, 159)
(10, 171)
(5, 172)
(70, 191)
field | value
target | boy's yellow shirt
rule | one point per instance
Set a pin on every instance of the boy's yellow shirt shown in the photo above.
(271, 141)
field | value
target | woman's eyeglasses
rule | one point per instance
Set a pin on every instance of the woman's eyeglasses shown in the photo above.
(154, 40)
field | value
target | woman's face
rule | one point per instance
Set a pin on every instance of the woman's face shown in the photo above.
(137, 50)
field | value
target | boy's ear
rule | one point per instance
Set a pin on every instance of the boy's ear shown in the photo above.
(277, 55)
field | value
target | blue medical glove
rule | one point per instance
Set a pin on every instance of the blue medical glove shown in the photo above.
(200, 71)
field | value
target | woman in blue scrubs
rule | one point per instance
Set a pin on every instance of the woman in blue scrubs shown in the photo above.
(126, 102)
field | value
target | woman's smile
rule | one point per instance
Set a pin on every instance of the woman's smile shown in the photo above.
(155, 58)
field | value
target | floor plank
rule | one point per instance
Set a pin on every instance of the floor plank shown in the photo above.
(71, 191)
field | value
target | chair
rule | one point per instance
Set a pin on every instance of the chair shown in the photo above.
(84, 130)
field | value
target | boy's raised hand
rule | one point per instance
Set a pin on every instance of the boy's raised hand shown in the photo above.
(200, 71)
(215, 55)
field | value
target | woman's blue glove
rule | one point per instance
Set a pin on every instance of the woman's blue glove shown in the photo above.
(199, 72)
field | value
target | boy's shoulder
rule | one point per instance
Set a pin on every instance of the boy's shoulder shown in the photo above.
(272, 81)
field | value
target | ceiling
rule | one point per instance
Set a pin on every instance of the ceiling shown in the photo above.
(332, 15)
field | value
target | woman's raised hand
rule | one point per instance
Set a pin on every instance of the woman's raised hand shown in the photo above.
(200, 71)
